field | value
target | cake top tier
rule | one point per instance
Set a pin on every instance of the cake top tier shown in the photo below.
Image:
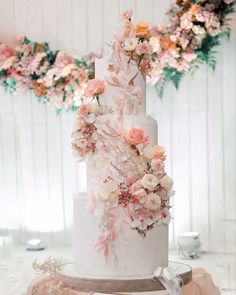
(124, 84)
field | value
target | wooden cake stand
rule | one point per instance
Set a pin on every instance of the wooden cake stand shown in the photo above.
(70, 276)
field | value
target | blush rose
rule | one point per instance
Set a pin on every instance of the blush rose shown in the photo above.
(136, 136)
(95, 87)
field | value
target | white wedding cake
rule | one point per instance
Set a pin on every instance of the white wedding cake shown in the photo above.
(121, 222)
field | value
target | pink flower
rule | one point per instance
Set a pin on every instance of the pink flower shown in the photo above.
(158, 165)
(84, 110)
(127, 14)
(136, 136)
(5, 52)
(95, 87)
(138, 190)
(153, 202)
(63, 60)
(135, 187)
(159, 152)
(143, 48)
(150, 181)
(189, 56)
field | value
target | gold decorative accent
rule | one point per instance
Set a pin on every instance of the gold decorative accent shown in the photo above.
(50, 266)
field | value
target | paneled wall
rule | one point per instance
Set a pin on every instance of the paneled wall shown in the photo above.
(38, 174)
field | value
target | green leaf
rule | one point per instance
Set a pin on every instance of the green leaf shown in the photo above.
(3, 73)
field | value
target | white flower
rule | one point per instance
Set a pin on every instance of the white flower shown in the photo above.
(148, 152)
(166, 182)
(153, 202)
(186, 21)
(130, 44)
(155, 43)
(90, 118)
(149, 181)
(198, 30)
(142, 224)
(108, 191)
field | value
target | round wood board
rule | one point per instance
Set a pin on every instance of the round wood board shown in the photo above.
(70, 275)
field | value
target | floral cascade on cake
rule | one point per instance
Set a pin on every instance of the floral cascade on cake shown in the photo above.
(130, 187)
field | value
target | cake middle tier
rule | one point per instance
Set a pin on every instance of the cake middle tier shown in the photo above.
(115, 158)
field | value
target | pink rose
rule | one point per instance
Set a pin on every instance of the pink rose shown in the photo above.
(84, 110)
(158, 165)
(135, 187)
(136, 136)
(63, 60)
(138, 190)
(153, 202)
(228, 1)
(5, 52)
(159, 152)
(95, 87)
(127, 14)
(143, 48)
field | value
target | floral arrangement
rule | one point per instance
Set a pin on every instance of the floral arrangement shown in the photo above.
(54, 77)
(166, 53)
(140, 202)
(163, 53)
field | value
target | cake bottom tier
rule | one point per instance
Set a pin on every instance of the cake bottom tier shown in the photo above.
(131, 255)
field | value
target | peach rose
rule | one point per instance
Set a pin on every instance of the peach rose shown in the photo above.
(95, 87)
(63, 60)
(142, 30)
(159, 152)
(127, 14)
(153, 202)
(158, 165)
(195, 9)
(143, 48)
(138, 190)
(136, 136)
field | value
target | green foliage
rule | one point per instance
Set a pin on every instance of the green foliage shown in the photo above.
(3, 73)
(51, 56)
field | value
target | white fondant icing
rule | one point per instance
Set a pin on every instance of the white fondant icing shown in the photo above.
(134, 256)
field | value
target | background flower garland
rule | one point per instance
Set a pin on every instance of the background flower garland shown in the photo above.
(59, 80)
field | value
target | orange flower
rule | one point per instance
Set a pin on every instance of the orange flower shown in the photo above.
(39, 89)
(195, 9)
(142, 30)
(167, 44)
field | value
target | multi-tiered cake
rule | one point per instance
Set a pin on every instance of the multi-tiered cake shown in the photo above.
(121, 223)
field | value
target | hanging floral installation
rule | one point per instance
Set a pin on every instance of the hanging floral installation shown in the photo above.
(163, 53)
